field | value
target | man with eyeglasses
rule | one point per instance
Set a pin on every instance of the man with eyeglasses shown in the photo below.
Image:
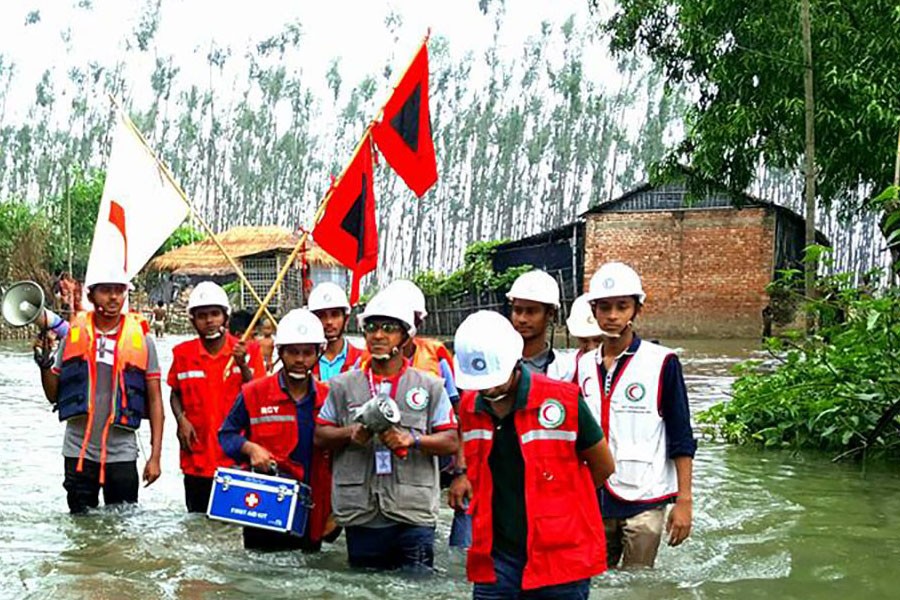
(385, 489)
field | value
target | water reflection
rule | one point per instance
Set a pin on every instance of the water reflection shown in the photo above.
(767, 524)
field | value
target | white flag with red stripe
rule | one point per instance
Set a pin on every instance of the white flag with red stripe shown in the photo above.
(139, 209)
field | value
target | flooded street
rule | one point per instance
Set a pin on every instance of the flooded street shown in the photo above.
(767, 524)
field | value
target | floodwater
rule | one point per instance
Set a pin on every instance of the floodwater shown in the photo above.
(766, 524)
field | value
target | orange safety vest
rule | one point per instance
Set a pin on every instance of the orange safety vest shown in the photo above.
(427, 356)
(566, 540)
(206, 398)
(78, 378)
(274, 426)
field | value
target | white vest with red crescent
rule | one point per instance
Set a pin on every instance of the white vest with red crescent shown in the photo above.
(631, 417)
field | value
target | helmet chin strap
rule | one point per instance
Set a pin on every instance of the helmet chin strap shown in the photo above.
(298, 376)
(614, 336)
(384, 357)
(214, 336)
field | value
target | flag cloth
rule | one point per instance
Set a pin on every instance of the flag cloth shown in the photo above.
(404, 133)
(139, 208)
(347, 230)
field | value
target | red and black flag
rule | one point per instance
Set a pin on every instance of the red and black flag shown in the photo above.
(404, 133)
(347, 230)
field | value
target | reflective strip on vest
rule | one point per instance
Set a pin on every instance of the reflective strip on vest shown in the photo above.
(478, 434)
(272, 419)
(549, 434)
(191, 375)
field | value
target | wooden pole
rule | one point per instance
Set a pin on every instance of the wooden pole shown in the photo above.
(810, 187)
(365, 139)
(164, 169)
(69, 223)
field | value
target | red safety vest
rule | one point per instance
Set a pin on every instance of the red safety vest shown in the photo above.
(206, 397)
(353, 355)
(566, 540)
(273, 425)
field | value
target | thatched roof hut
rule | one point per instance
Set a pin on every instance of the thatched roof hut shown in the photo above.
(205, 259)
(261, 252)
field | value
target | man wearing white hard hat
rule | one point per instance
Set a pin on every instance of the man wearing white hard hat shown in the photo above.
(637, 392)
(329, 302)
(424, 353)
(272, 423)
(534, 458)
(385, 491)
(201, 394)
(106, 349)
(582, 325)
(534, 304)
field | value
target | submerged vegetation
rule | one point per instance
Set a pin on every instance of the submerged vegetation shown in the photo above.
(837, 390)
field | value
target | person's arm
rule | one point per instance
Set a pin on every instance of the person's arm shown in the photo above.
(591, 447)
(330, 435)
(231, 433)
(157, 418)
(50, 377)
(680, 447)
(154, 412)
(443, 439)
(449, 382)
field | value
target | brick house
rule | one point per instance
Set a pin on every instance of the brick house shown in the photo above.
(705, 263)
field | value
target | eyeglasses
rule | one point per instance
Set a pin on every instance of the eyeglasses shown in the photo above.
(385, 326)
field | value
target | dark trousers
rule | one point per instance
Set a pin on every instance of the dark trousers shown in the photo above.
(399, 546)
(196, 493)
(265, 540)
(509, 568)
(83, 489)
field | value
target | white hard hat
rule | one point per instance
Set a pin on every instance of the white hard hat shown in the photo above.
(581, 322)
(537, 286)
(387, 303)
(615, 279)
(412, 294)
(486, 349)
(109, 275)
(328, 295)
(300, 326)
(208, 293)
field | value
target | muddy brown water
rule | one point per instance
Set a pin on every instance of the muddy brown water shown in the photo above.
(767, 524)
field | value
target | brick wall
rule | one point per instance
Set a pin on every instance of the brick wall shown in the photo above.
(704, 271)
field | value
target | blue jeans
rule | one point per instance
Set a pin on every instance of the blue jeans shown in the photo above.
(508, 569)
(400, 546)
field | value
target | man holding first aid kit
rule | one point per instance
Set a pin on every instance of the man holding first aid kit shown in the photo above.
(271, 427)
(387, 424)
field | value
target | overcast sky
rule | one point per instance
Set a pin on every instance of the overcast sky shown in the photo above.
(353, 31)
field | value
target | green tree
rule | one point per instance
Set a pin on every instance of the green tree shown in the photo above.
(746, 69)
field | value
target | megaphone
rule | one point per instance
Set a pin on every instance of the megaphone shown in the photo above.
(23, 304)
(379, 414)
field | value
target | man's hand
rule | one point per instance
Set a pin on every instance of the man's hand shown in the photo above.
(359, 435)
(460, 491)
(239, 353)
(151, 470)
(260, 458)
(679, 524)
(187, 436)
(396, 440)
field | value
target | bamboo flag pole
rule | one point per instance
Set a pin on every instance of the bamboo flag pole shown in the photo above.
(365, 139)
(164, 169)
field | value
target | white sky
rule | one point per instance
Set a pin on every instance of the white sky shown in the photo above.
(353, 31)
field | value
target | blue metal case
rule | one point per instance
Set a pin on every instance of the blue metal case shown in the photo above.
(258, 500)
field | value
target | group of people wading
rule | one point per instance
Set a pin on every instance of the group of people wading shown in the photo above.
(566, 463)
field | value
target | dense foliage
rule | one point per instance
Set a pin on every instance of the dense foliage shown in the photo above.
(746, 69)
(838, 390)
(476, 274)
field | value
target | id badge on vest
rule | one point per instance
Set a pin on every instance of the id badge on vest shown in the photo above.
(383, 461)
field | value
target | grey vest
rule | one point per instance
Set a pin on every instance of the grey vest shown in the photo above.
(411, 492)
